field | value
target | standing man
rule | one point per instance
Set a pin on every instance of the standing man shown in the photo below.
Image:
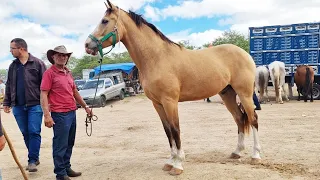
(23, 95)
(59, 95)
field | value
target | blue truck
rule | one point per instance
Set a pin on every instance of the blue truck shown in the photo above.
(293, 44)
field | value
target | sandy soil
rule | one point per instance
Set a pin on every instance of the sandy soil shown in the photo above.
(128, 142)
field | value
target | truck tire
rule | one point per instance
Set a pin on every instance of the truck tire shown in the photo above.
(121, 95)
(316, 91)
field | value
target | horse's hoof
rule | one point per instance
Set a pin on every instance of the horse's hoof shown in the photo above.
(281, 102)
(175, 172)
(167, 167)
(235, 156)
(255, 161)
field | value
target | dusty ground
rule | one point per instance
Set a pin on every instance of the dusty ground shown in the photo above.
(128, 142)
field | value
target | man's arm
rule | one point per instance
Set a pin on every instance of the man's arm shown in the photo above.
(44, 102)
(48, 121)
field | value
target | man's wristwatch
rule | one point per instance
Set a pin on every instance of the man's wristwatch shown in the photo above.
(86, 106)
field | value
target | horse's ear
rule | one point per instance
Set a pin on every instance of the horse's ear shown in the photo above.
(110, 4)
(106, 5)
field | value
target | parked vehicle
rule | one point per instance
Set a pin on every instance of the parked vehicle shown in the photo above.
(110, 86)
(79, 83)
(293, 44)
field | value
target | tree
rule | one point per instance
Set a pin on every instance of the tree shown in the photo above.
(231, 37)
(187, 45)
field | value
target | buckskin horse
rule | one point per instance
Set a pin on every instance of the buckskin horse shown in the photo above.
(170, 73)
(304, 77)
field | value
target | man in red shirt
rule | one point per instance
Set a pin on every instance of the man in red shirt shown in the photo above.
(58, 96)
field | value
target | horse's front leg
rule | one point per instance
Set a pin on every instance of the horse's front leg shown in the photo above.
(170, 162)
(171, 110)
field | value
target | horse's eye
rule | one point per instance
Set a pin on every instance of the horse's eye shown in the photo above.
(104, 21)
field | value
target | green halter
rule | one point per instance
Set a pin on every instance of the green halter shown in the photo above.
(99, 42)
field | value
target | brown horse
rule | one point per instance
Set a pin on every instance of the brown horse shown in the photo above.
(170, 74)
(304, 77)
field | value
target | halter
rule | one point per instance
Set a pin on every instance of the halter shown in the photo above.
(90, 119)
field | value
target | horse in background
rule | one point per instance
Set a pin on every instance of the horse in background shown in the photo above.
(278, 73)
(304, 77)
(170, 74)
(261, 82)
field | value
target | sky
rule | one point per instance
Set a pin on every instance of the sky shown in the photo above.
(45, 24)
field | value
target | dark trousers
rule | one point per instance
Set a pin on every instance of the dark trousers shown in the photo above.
(256, 101)
(29, 120)
(64, 131)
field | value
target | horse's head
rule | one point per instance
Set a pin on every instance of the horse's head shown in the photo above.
(106, 33)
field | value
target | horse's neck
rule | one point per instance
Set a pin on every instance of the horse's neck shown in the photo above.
(144, 46)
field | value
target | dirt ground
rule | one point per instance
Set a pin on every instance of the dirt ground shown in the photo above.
(128, 142)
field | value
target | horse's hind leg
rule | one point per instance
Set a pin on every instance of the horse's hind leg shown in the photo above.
(229, 97)
(266, 90)
(169, 164)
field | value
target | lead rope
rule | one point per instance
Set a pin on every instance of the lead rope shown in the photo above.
(90, 119)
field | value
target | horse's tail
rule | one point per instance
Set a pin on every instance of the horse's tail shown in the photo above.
(262, 82)
(308, 80)
(276, 77)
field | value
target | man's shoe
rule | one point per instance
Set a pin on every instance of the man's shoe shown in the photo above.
(63, 178)
(32, 167)
(37, 163)
(72, 173)
(259, 108)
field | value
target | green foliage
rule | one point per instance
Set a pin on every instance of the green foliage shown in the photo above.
(187, 45)
(231, 37)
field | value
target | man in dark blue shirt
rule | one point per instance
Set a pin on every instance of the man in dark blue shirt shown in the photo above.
(23, 95)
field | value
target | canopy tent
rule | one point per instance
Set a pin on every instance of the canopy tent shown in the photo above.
(125, 67)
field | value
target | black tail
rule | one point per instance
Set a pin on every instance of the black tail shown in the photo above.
(307, 83)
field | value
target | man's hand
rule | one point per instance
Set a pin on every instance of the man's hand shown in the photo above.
(6, 109)
(48, 121)
(2, 142)
(88, 110)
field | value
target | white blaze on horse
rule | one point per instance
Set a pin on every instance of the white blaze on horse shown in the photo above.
(278, 73)
(261, 82)
(170, 74)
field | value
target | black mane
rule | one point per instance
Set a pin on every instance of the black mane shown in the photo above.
(139, 20)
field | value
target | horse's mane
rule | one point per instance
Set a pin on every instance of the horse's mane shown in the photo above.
(139, 20)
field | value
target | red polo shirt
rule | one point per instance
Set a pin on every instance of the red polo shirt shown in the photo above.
(60, 85)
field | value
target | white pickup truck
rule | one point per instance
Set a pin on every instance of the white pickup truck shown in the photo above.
(108, 88)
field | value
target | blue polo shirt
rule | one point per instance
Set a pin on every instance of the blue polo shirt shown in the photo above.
(21, 94)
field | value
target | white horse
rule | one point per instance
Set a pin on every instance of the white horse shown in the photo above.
(278, 74)
(261, 82)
